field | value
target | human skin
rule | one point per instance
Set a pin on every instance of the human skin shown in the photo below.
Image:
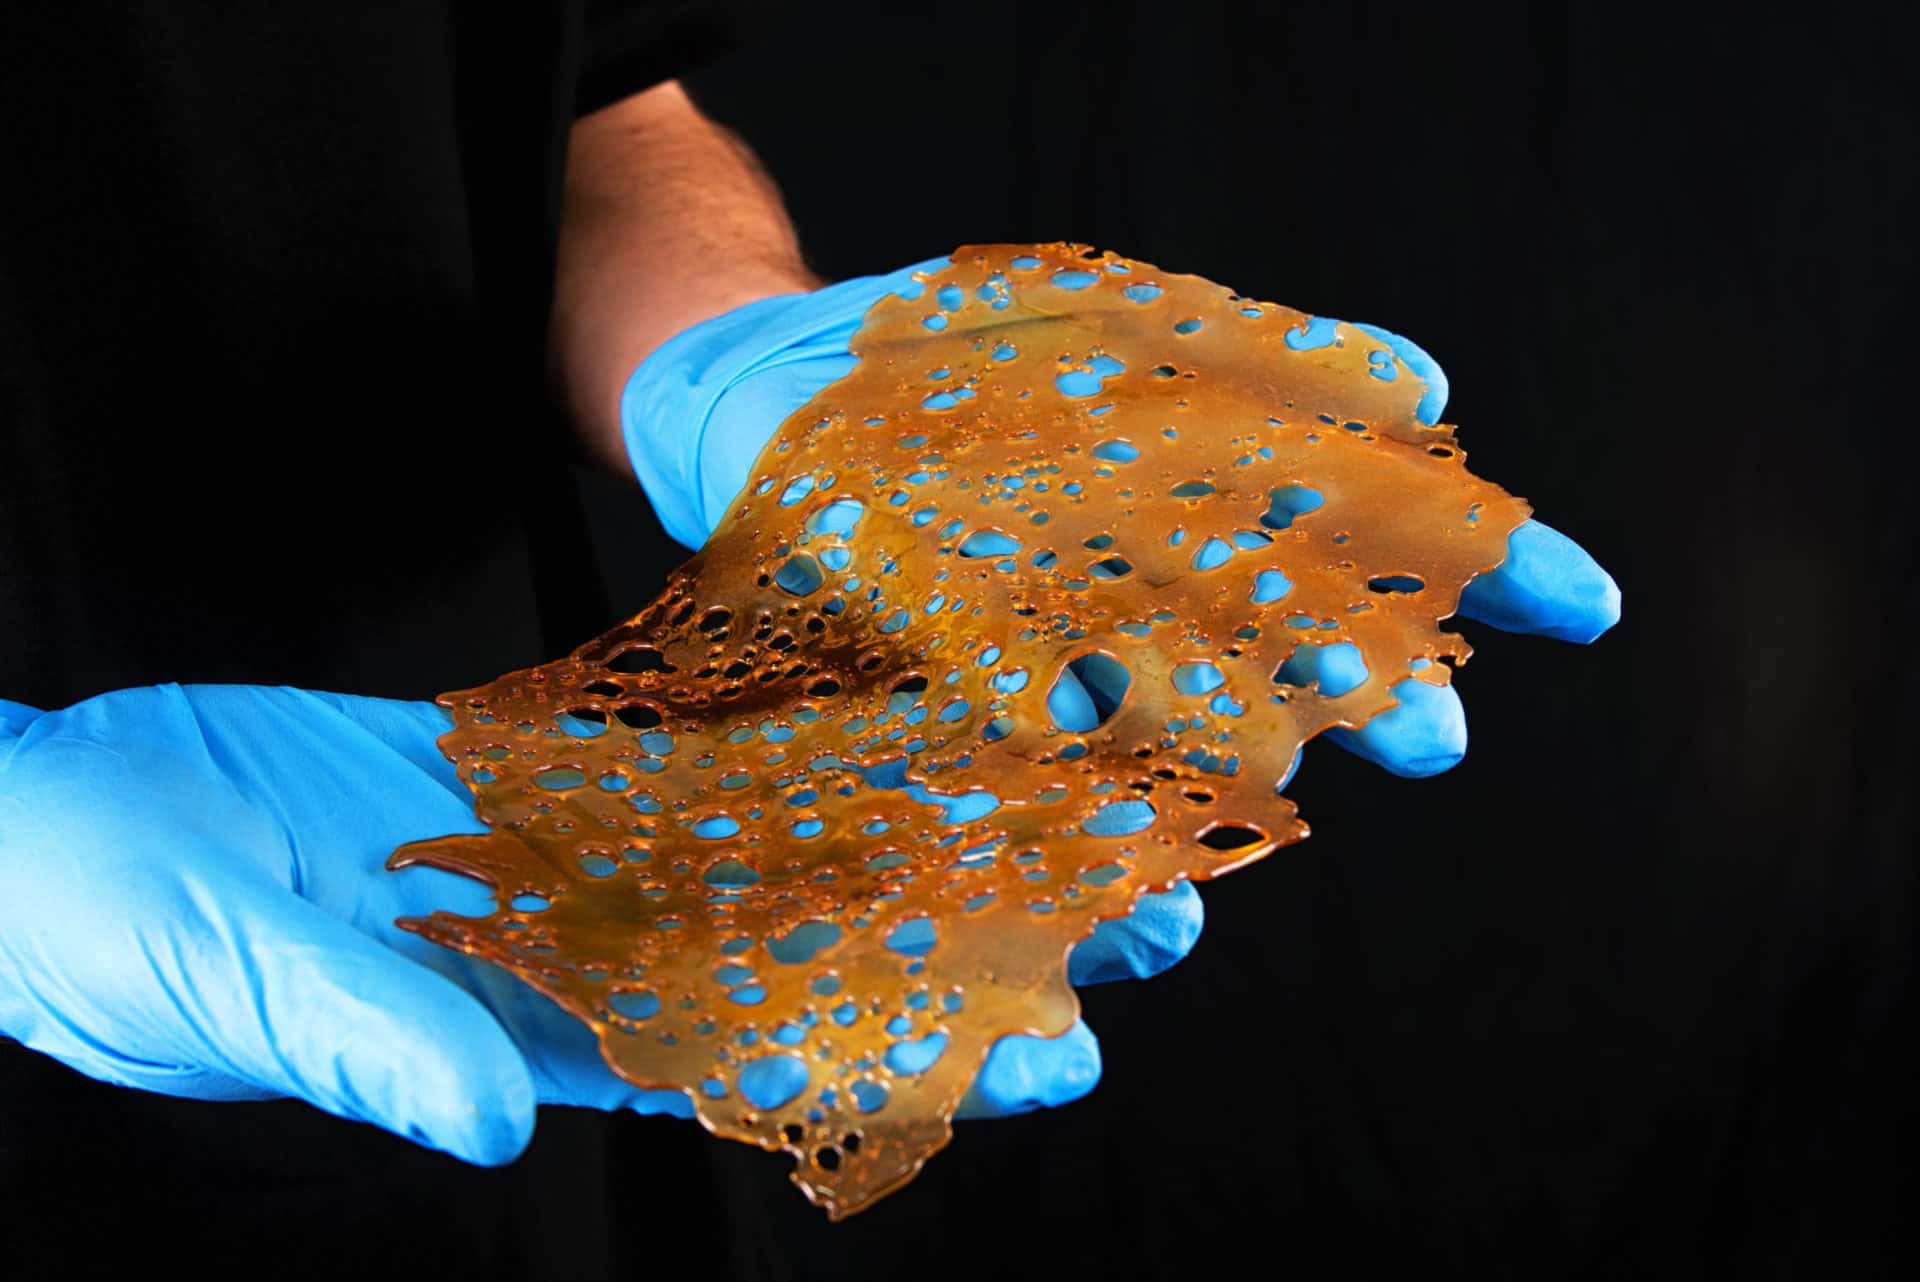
(666, 220)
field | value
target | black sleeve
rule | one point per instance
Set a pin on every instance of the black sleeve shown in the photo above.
(629, 46)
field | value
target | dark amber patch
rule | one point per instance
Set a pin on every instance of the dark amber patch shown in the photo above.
(1050, 459)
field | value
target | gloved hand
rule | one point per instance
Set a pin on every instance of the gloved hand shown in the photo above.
(192, 889)
(194, 900)
(697, 412)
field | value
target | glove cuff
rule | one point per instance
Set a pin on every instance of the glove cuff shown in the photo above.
(668, 402)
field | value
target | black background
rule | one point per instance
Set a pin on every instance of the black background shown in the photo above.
(1626, 993)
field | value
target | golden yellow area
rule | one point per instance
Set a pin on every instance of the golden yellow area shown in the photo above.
(1055, 456)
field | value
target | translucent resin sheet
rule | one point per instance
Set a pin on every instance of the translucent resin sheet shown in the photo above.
(806, 836)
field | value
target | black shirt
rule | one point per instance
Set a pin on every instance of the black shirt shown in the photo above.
(273, 290)
(273, 286)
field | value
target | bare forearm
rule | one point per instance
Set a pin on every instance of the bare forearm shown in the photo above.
(667, 220)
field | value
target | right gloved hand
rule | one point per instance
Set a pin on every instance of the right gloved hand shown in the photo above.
(194, 901)
(697, 413)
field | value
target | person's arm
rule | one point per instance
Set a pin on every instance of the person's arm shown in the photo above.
(667, 220)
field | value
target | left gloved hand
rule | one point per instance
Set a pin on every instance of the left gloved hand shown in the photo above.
(697, 413)
(194, 900)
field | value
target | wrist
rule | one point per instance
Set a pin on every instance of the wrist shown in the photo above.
(596, 344)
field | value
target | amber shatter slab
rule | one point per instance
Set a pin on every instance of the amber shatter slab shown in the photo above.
(1049, 453)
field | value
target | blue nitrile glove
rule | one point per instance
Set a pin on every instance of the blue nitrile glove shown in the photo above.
(698, 411)
(194, 900)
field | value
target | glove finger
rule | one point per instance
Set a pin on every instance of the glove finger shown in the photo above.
(190, 965)
(562, 1053)
(274, 991)
(1161, 929)
(1425, 734)
(1548, 585)
(1024, 1073)
(44, 1016)
(1336, 668)
(1433, 401)
(569, 1070)
(1071, 704)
